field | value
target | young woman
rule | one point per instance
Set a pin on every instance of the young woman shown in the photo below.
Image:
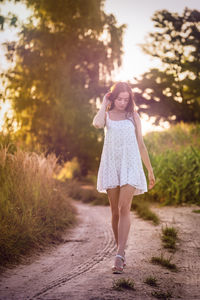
(121, 173)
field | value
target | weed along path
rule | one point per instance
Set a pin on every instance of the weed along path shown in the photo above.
(80, 267)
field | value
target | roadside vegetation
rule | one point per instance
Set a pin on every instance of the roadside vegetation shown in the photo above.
(169, 237)
(164, 261)
(35, 190)
(34, 208)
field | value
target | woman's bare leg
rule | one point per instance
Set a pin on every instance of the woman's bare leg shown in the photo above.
(113, 196)
(125, 199)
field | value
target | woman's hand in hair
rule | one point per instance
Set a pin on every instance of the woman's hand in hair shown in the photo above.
(106, 101)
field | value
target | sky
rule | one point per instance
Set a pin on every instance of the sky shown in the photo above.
(136, 14)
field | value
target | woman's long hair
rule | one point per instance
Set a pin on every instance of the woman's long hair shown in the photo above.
(115, 90)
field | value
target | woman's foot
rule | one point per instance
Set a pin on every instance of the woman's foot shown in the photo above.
(118, 265)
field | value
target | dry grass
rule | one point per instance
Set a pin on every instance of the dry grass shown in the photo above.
(34, 209)
(123, 283)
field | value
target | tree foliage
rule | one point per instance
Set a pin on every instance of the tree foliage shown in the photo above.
(172, 92)
(63, 62)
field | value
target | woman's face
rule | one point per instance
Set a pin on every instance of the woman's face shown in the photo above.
(121, 101)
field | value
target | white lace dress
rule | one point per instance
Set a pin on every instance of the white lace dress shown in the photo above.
(120, 161)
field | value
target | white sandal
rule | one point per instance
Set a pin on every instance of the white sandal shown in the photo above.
(118, 270)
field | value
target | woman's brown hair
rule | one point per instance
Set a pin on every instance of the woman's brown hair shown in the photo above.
(115, 90)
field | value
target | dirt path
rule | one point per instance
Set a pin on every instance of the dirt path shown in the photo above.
(80, 268)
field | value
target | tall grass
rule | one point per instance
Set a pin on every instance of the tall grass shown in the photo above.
(177, 176)
(34, 209)
(175, 157)
(176, 138)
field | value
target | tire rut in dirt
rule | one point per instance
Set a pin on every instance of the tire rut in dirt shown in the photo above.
(108, 248)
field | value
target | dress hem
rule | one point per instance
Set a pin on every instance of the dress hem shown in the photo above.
(138, 190)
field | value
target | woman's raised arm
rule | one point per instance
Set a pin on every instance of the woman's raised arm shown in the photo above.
(100, 117)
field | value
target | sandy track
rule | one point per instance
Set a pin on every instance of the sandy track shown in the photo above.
(80, 268)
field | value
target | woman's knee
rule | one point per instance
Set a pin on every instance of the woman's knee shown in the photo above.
(124, 209)
(115, 212)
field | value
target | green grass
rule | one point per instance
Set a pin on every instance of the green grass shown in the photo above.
(142, 209)
(169, 237)
(165, 262)
(175, 157)
(177, 137)
(162, 295)
(123, 283)
(197, 211)
(177, 176)
(151, 280)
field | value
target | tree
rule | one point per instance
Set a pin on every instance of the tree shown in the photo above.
(63, 62)
(172, 92)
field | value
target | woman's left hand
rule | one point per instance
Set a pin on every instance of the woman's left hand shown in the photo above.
(151, 179)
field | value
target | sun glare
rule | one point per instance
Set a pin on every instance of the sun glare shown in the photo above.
(5, 108)
(134, 62)
(147, 126)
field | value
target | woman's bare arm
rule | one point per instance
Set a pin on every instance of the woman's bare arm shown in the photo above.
(143, 151)
(141, 144)
(99, 118)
